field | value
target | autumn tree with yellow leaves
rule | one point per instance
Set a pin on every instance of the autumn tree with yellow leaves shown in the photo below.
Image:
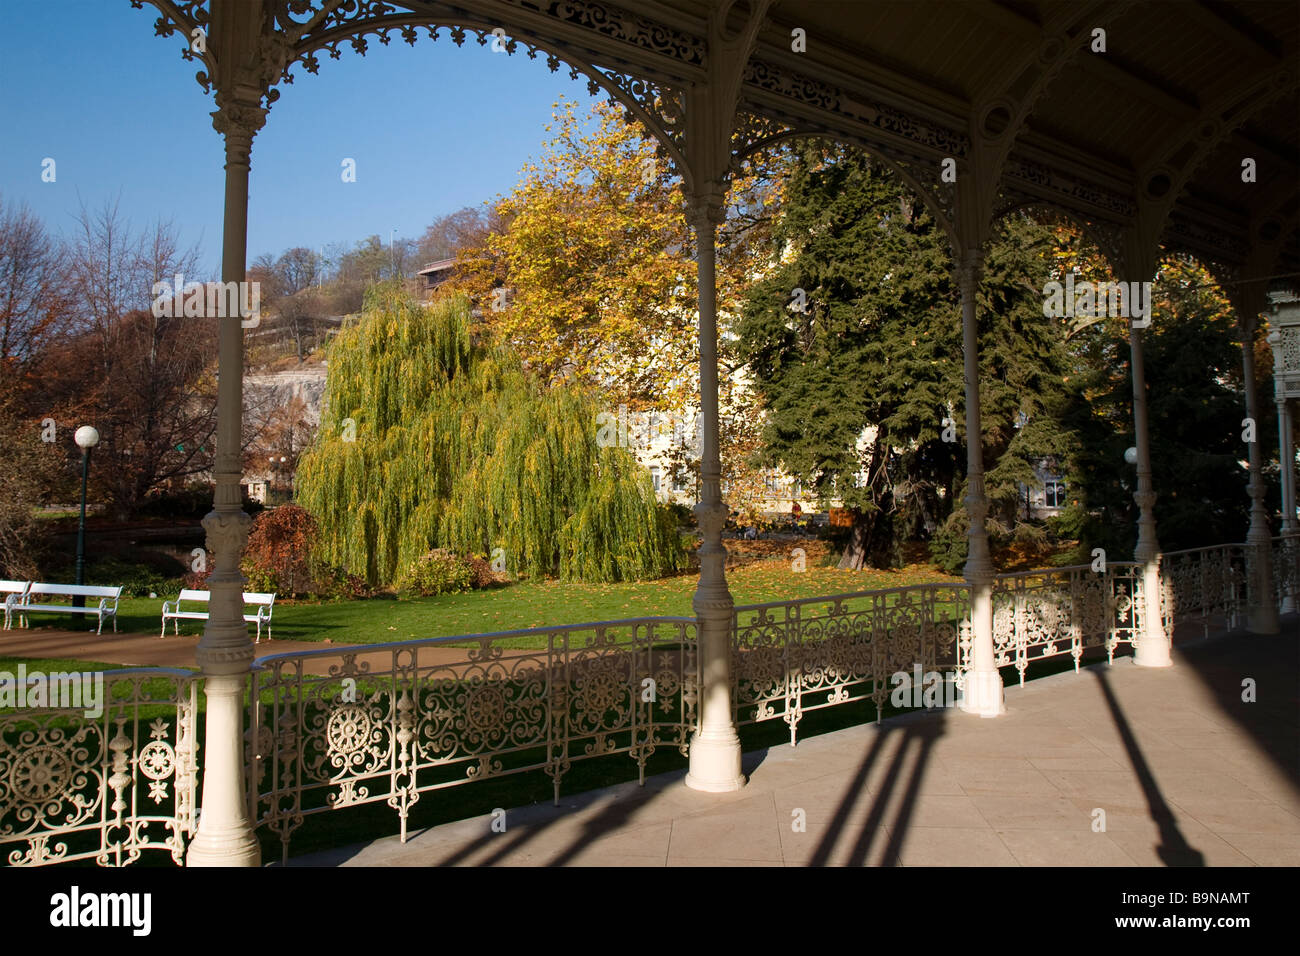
(592, 276)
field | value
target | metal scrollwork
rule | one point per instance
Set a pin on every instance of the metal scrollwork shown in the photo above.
(439, 716)
(68, 782)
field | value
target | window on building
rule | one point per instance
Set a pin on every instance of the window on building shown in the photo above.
(1054, 494)
(654, 477)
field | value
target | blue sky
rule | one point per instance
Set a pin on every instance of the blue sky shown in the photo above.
(432, 128)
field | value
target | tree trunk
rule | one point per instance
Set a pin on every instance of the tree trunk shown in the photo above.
(855, 552)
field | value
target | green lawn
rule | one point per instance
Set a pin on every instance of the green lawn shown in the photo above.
(533, 604)
(49, 665)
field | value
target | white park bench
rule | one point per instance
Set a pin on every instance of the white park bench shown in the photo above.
(172, 611)
(107, 607)
(13, 593)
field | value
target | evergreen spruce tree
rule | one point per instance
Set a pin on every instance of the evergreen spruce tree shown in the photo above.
(854, 341)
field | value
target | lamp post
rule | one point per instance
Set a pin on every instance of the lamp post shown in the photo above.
(277, 471)
(87, 438)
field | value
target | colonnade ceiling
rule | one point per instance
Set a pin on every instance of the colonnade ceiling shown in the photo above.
(1178, 121)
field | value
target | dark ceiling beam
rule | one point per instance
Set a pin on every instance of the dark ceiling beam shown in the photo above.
(1148, 88)
(1103, 67)
(1261, 142)
(1226, 22)
(858, 69)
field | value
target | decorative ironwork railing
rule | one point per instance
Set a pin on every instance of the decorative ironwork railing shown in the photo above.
(105, 787)
(1204, 584)
(791, 657)
(438, 713)
(1286, 569)
(1041, 614)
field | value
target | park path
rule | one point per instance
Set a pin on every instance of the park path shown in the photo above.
(149, 650)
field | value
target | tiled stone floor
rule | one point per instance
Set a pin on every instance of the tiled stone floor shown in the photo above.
(1185, 772)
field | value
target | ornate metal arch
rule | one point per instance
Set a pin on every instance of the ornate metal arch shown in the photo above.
(1106, 236)
(999, 116)
(757, 133)
(1164, 180)
(297, 31)
(1244, 282)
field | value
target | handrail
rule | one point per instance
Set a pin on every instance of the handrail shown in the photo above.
(848, 595)
(334, 651)
(1065, 569)
(1207, 547)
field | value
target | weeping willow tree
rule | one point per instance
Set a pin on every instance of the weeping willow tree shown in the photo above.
(429, 439)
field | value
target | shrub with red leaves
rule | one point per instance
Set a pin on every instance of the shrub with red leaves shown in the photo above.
(279, 553)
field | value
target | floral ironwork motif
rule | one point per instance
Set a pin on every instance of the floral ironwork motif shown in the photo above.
(157, 761)
(41, 774)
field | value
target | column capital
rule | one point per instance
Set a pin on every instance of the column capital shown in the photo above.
(967, 268)
(711, 516)
(1249, 320)
(238, 120)
(977, 503)
(227, 531)
(226, 660)
(706, 206)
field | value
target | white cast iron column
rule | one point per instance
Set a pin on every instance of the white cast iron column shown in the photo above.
(1261, 615)
(1286, 463)
(1278, 301)
(983, 691)
(1152, 646)
(715, 747)
(1286, 454)
(1285, 449)
(225, 837)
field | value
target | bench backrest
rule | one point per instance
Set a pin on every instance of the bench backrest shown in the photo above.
(13, 587)
(250, 597)
(74, 590)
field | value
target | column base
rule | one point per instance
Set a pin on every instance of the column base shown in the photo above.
(715, 764)
(1152, 649)
(1263, 621)
(1152, 654)
(983, 694)
(231, 848)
